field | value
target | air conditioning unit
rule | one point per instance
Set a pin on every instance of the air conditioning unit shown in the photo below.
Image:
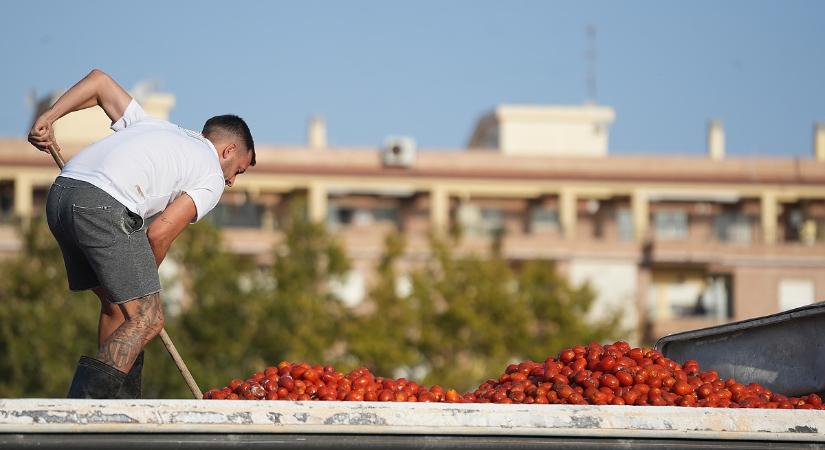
(399, 151)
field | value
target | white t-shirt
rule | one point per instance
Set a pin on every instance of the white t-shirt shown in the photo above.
(147, 163)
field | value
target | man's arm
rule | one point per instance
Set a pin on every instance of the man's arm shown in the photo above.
(96, 89)
(170, 224)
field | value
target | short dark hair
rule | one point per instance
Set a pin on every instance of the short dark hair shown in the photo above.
(232, 125)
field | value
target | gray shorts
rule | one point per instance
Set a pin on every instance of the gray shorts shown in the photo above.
(103, 243)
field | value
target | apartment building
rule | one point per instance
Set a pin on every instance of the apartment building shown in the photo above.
(674, 242)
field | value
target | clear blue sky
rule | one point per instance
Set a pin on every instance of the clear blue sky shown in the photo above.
(429, 68)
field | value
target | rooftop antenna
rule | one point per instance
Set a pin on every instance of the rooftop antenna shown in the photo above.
(590, 56)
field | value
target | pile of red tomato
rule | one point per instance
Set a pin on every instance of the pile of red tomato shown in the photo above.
(300, 381)
(614, 374)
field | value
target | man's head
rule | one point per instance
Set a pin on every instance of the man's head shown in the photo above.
(232, 139)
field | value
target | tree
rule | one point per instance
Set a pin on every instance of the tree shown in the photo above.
(468, 316)
(44, 328)
(473, 323)
(561, 313)
(305, 319)
(385, 337)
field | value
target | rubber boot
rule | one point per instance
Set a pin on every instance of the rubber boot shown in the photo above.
(132, 383)
(95, 379)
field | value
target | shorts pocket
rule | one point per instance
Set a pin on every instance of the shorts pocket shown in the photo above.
(132, 223)
(93, 226)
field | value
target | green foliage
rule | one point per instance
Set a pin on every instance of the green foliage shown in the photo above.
(472, 324)
(44, 328)
(386, 336)
(304, 319)
(469, 316)
(561, 313)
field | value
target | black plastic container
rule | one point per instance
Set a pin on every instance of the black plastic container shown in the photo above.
(784, 352)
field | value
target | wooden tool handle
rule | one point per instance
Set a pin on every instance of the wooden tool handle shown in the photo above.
(164, 337)
(184, 371)
(55, 151)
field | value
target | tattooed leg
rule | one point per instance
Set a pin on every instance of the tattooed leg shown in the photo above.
(111, 317)
(144, 320)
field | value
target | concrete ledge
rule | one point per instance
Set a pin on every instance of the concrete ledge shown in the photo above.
(373, 418)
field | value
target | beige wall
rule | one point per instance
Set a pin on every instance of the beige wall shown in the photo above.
(756, 288)
(545, 130)
(536, 138)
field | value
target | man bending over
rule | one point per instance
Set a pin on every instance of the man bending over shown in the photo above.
(99, 206)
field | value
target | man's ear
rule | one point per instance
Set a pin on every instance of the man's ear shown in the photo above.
(228, 150)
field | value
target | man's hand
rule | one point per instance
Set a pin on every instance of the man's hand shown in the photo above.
(42, 134)
(171, 222)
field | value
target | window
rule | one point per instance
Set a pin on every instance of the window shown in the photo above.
(684, 298)
(492, 220)
(671, 224)
(468, 216)
(246, 215)
(716, 298)
(338, 216)
(477, 221)
(792, 221)
(624, 223)
(6, 201)
(362, 217)
(691, 296)
(732, 227)
(386, 214)
(544, 219)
